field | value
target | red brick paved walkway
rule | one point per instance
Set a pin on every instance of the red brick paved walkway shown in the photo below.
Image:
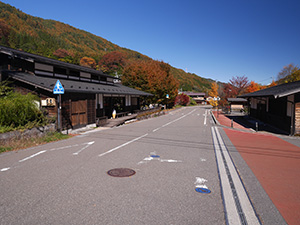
(275, 163)
(225, 121)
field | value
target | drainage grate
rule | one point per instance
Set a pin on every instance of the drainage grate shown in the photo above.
(121, 172)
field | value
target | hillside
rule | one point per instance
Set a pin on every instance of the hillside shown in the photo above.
(61, 41)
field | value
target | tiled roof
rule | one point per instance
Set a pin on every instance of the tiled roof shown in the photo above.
(48, 83)
(41, 59)
(277, 91)
(236, 100)
(193, 93)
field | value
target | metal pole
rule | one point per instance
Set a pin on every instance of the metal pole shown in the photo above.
(58, 113)
(232, 123)
(256, 125)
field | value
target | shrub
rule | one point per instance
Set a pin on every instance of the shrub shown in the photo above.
(182, 99)
(17, 110)
(192, 101)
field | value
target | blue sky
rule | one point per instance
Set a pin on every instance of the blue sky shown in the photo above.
(215, 39)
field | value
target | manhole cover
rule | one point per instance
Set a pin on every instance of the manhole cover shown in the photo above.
(121, 172)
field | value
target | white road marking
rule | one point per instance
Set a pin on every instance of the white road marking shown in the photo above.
(156, 129)
(34, 155)
(64, 147)
(230, 200)
(205, 116)
(173, 121)
(120, 146)
(170, 160)
(87, 145)
(5, 169)
(200, 182)
(53, 149)
(150, 158)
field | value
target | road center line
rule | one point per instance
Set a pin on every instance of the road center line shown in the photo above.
(120, 146)
(34, 155)
(173, 121)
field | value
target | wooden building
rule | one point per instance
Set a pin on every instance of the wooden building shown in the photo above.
(88, 93)
(197, 96)
(237, 104)
(278, 106)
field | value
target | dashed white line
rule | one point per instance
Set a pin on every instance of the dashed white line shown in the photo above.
(34, 155)
(120, 146)
(173, 121)
(5, 169)
(205, 116)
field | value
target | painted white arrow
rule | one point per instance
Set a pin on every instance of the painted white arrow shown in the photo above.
(87, 145)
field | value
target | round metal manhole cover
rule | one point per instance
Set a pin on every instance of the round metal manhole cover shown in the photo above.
(121, 172)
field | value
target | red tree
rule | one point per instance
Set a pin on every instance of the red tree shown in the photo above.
(236, 86)
(113, 62)
(61, 53)
(182, 99)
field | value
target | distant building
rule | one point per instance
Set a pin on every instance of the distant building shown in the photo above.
(237, 104)
(89, 94)
(278, 105)
(198, 97)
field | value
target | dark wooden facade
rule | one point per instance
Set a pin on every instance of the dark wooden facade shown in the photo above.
(278, 106)
(89, 94)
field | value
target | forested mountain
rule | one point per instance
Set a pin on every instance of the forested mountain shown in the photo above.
(63, 42)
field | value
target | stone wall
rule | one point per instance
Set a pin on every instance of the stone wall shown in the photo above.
(29, 133)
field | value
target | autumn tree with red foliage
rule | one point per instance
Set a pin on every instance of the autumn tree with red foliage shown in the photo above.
(182, 99)
(151, 76)
(236, 86)
(113, 62)
(61, 53)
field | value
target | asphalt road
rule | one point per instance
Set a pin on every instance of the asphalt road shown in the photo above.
(66, 182)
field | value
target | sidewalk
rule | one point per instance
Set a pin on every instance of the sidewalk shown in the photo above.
(274, 162)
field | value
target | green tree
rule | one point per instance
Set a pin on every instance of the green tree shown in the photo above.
(289, 73)
(286, 71)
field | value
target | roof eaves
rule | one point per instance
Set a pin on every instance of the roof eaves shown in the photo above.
(42, 59)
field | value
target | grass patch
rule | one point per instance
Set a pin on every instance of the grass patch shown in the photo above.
(55, 136)
(5, 149)
(30, 142)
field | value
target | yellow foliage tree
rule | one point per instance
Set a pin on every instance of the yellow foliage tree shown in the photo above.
(88, 62)
(214, 94)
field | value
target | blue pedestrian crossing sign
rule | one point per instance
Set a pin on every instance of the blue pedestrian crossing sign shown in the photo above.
(58, 88)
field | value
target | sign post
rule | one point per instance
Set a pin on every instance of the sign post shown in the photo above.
(167, 98)
(58, 90)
